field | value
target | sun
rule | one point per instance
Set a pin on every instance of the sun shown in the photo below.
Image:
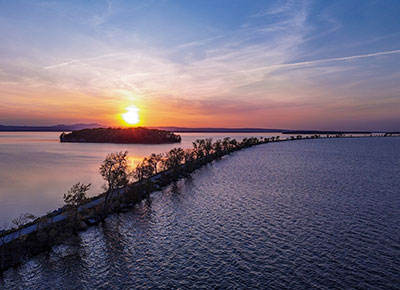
(131, 116)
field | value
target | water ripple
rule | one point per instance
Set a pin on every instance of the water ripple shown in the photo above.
(321, 214)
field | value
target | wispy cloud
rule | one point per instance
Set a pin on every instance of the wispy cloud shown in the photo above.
(326, 60)
(104, 16)
(199, 42)
(225, 62)
(278, 8)
(80, 61)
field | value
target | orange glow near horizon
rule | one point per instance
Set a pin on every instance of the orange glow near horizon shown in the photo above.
(131, 116)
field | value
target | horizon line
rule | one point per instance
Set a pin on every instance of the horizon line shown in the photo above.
(204, 128)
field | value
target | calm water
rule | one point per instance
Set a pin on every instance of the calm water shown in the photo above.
(308, 214)
(36, 169)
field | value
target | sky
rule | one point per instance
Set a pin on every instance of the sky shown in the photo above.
(266, 64)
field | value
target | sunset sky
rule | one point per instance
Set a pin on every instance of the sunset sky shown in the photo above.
(269, 64)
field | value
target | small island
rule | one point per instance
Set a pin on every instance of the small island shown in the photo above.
(137, 135)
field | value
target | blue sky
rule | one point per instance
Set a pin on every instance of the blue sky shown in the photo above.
(286, 64)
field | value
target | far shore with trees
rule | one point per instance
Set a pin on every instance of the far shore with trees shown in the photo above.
(139, 135)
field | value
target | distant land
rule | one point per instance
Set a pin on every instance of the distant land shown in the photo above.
(74, 127)
(55, 128)
(67, 128)
(313, 132)
(317, 132)
(219, 130)
(137, 135)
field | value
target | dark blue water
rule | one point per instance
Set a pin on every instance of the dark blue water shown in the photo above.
(306, 214)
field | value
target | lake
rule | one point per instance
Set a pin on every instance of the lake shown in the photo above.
(321, 214)
(36, 169)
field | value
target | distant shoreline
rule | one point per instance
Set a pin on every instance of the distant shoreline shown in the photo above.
(55, 128)
(69, 128)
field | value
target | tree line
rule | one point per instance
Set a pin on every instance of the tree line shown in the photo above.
(175, 163)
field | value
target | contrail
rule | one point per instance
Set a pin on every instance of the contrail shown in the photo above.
(310, 62)
(62, 64)
(78, 61)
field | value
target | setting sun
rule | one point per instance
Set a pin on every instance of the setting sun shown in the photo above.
(131, 116)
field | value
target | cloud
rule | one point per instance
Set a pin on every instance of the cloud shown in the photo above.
(251, 72)
(79, 61)
(102, 18)
(320, 61)
(225, 63)
(199, 42)
(277, 9)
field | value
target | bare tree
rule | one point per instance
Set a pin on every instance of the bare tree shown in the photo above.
(208, 146)
(154, 161)
(198, 148)
(5, 227)
(22, 220)
(226, 144)
(75, 197)
(143, 170)
(175, 157)
(217, 148)
(189, 155)
(115, 171)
